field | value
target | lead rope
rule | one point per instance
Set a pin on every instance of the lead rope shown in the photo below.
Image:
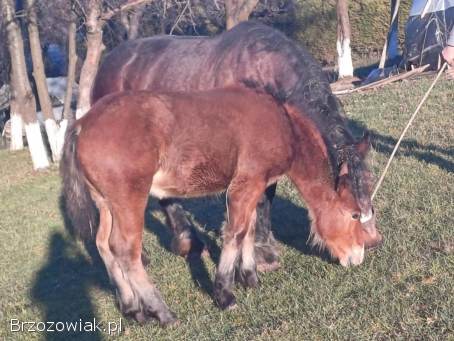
(377, 186)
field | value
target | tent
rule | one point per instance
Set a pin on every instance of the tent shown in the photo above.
(427, 31)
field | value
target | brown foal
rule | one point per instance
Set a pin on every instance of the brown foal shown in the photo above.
(238, 140)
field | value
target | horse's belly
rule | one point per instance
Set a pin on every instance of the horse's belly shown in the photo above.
(195, 183)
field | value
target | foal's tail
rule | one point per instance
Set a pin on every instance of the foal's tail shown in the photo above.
(77, 202)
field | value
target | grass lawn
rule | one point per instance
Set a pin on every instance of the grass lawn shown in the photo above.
(404, 290)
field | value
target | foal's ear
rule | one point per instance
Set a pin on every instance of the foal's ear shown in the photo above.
(363, 145)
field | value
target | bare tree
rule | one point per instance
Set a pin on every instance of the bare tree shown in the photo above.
(131, 21)
(237, 11)
(94, 25)
(40, 78)
(71, 76)
(70, 79)
(343, 40)
(96, 18)
(22, 98)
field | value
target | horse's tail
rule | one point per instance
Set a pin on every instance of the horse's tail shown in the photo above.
(77, 201)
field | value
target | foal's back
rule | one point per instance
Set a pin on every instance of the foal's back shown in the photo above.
(186, 144)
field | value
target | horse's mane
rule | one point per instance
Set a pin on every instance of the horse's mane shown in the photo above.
(304, 85)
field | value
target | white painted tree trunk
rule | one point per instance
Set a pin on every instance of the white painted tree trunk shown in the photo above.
(17, 142)
(344, 54)
(81, 111)
(36, 145)
(52, 131)
(344, 51)
(60, 137)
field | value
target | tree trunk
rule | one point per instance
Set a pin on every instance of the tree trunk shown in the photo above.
(95, 47)
(70, 78)
(40, 79)
(131, 21)
(343, 40)
(237, 11)
(23, 100)
(17, 127)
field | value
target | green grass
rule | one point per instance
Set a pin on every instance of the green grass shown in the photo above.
(404, 290)
(316, 27)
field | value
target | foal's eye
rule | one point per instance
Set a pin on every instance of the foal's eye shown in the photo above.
(356, 216)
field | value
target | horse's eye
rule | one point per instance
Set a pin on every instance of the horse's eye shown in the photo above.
(356, 216)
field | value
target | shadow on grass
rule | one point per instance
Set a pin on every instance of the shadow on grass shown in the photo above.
(290, 226)
(62, 287)
(409, 147)
(199, 272)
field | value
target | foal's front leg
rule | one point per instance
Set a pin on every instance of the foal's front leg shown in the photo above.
(243, 195)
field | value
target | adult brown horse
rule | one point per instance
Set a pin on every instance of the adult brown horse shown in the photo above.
(133, 144)
(249, 52)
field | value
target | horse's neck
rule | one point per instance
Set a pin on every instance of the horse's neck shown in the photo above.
(311, 170)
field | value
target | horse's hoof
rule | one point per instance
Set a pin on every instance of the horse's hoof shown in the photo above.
(267, 257)
(168, 320)
(267, 267)
(248, 278)
(188, 246)
(140, 317)
(226, 301)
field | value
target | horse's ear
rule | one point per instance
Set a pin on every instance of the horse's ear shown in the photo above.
(341, 182)
(362, 147)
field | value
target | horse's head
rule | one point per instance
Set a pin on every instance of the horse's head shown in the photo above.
(345, 225)
(361, 184)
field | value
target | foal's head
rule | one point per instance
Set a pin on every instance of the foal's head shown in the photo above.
(345, 224)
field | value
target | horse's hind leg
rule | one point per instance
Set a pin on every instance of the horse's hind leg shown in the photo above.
(266, 251)
(124, 291)
(243, 195)
(126, 245)
(185, 241)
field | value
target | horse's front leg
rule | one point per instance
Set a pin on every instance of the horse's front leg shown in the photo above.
(242, 195)
(266, 249)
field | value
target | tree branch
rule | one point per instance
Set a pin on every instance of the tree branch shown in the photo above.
(132, 3)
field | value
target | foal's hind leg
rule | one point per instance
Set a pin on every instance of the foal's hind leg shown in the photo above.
(124, 291)
(126, 245)
(243, 195)
(266, 250)
(185, 241)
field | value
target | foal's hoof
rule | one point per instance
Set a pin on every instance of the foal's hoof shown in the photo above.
(165, 318)
(268, 267)
(226, 301)
(168, 319)
(248, 278)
